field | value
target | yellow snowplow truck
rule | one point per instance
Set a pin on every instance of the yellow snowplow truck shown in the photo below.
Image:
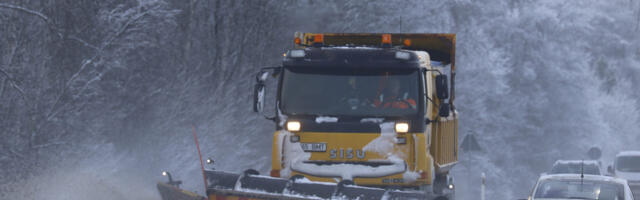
(358, 116)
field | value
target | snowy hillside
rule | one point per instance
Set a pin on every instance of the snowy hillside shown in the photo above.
(97, 98)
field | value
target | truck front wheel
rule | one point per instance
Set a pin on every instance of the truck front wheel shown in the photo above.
(443, 186)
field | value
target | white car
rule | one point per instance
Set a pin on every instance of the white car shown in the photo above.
(577, 186)
(627, 166)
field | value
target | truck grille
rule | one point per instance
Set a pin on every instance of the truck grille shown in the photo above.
(347, 169)
(365, 163)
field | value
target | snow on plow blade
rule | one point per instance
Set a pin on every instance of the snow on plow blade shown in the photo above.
(253, 186)
(248, 186)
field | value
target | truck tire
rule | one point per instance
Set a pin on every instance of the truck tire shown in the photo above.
(440, 184)
(441, 187)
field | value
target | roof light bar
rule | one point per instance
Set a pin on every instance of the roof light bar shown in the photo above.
(318, 40)
(407, 42)
(386, 39)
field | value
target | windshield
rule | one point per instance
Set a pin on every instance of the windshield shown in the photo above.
(575, 168)
(628, 164)
(350, 92)
(575, 189)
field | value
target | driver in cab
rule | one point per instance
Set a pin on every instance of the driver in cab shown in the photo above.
(393, 97)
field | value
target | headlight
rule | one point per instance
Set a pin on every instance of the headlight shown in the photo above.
(293, 126)
(402, 127)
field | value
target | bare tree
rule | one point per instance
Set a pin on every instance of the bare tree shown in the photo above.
(45, 114)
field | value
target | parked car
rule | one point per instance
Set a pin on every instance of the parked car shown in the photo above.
(577, 186)
(627, 166)
(576, 167)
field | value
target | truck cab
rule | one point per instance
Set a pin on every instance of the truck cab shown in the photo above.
(366, 109)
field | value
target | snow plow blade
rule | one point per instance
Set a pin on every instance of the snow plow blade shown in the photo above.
(251, 186)
(226, 185)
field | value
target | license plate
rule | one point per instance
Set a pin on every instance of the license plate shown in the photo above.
(317, 147)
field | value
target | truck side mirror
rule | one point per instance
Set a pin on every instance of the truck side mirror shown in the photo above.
(258, 97)
(443, 111)
(262, 76)
(610, 170)
(259, 91)
(442, 89)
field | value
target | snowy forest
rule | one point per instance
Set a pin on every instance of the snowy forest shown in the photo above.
(97, 98)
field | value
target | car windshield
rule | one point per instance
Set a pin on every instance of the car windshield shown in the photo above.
(350, 92)
(576, 189)
(628, 164)
(575, 168)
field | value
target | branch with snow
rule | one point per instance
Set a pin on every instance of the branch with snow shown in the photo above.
(25, 10)
(13, 83)
(99, 53)
(40, 146)
(47, 20)
(14, 152)
(2, 86)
